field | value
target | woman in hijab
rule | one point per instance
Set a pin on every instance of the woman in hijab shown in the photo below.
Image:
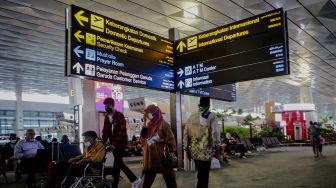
(155, 135)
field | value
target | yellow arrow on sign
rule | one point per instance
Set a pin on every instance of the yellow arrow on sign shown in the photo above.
(81, 18)
(180, 46)
(79, 36)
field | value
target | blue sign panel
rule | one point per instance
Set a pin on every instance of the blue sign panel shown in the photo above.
(100, 48)
(224, 92)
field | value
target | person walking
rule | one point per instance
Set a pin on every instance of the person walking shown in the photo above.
(115, 132)
(312, 131)
(156, 137)
(318, 140)
(201, 137)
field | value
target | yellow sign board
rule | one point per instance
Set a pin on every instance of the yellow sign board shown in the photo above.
(90, 38)
(97, 23)
(192, 43)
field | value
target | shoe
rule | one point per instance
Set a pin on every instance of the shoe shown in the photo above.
(136, 183)
(243, 157)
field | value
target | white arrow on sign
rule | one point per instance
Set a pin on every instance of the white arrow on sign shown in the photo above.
(78, 51)
(180, 72)
(78, 67)
(180, 84)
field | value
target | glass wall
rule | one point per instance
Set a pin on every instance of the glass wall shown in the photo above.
(7, 121)
(31, 119)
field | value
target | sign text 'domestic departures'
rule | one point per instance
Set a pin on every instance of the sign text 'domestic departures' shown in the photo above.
(108, 50)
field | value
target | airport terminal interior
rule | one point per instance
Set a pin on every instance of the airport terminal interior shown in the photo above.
(269, 67)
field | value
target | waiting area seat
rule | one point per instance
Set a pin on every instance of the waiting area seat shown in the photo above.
(270, 142)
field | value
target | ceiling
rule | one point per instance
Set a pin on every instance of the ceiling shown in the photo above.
(32, 43)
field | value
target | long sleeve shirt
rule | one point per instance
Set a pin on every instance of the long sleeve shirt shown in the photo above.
(115, 131)
(94, 153)
(199, 139)
(25, 147)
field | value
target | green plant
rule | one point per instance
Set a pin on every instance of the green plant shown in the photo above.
(228, 112)
(269, 132)
(328, 134)
(249, 120)
(242, 132)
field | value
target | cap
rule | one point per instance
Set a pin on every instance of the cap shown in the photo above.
(92, 134)
(204, 101)
(109, 100)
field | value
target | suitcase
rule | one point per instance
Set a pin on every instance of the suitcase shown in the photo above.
(55, 156)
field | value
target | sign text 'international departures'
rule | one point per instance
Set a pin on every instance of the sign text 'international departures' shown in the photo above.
(104, 49)
(249, 49)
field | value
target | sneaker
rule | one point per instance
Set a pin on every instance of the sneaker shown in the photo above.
(136, 183)
(244, 157)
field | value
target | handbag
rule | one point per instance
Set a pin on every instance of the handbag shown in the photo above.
(169, 159)
(109, 159)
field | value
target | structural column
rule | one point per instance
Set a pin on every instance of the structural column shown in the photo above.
(307, 97)
(175, 111)
(19, 129)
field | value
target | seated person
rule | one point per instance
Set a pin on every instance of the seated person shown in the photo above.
(65, 139)
(44, 143)
(94, 152)
(231, 143)
(67, 150)
(25, 151)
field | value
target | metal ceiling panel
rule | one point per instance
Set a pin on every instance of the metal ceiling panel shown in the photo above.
(32, 43)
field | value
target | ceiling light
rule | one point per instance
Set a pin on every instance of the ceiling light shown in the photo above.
(190, 12)
(302, 26)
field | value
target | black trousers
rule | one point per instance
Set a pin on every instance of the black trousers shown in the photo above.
(68, 170)
(203, 170)
(120, 165)
(29, 165)
(168, 176)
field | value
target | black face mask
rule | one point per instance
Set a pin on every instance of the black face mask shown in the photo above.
(108, 109)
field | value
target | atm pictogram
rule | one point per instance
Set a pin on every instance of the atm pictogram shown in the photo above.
(97, 23)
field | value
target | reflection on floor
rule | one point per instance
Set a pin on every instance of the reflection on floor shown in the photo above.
(291, 167)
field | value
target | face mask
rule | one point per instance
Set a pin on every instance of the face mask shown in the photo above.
(13, 141)
(202, 109)
(150, 116)
(87, 144)
(108, 110)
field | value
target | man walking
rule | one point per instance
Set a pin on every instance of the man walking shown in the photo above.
(115, 132)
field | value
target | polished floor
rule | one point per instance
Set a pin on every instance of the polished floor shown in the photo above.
(277, 168)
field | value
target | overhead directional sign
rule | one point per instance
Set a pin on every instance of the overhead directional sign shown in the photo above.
(249, 49)
(223, 92)
(110, 28)
(104, 49)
